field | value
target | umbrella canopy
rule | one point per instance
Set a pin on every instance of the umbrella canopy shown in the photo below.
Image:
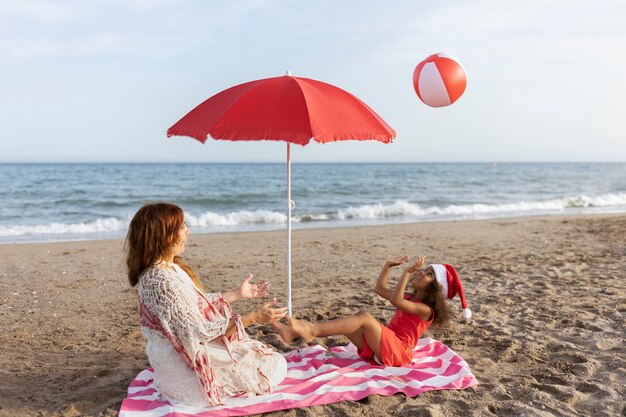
(289, 109)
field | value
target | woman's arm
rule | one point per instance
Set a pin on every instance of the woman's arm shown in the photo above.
(397, 297)
(265, 314)
(381, 284)
(175, 307)
(247, 290)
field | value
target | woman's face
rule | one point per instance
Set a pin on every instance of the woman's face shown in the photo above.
(181, 238)
(423, 278)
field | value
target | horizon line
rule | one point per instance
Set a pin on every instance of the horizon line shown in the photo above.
(300, 162)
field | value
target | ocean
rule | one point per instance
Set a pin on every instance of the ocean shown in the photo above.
(59, 202)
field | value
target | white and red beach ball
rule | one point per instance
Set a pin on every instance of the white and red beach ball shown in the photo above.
(439, 80)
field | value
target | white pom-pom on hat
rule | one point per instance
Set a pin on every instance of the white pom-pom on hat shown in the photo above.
(450, 282)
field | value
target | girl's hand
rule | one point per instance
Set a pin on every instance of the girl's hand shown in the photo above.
(267, 314)
(397, 261)
(416, 266)
(250, 290)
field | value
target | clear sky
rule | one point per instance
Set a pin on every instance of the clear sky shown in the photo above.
(102, 80)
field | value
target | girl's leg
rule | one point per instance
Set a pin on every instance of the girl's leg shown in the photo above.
(354, 327)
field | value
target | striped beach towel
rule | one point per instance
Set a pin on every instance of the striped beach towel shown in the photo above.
(318, 376)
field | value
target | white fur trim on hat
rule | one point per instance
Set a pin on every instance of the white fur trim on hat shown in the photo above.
(442, 277)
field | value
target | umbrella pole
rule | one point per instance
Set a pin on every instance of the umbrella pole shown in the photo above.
(289, 204)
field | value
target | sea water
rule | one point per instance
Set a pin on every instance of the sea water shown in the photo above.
(47, 202)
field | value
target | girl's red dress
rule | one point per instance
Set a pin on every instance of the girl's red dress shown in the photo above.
(398, 339)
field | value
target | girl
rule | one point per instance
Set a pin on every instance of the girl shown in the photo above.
(390, 345)
(196, 345)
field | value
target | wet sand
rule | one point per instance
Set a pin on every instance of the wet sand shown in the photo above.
(548, 336)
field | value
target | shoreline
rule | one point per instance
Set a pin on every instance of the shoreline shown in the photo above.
(548, 295)
(343, 226)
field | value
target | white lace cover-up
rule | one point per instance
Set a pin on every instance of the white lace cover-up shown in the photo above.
(194, 362)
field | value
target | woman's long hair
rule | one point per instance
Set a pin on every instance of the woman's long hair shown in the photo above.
(435, 299)
(152, 233)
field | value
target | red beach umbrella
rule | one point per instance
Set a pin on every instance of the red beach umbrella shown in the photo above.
(289, 109)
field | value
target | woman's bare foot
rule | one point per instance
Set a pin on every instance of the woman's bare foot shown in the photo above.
(285, 332)
(302, 328)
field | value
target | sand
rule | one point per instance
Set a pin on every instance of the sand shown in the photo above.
(548, 336)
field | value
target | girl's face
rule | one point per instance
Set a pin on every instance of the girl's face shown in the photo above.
(181, 238)
(423, 278)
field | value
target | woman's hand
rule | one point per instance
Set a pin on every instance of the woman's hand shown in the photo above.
(416, 266)
(266, 314)
(249, 290)
(398, 261)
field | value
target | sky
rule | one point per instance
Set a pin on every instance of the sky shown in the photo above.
(103, 80)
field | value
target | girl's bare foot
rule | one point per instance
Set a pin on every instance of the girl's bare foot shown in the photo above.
(302, 329)
(285, 332)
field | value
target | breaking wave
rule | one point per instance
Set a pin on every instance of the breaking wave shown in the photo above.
(401, 211)
(412, 210)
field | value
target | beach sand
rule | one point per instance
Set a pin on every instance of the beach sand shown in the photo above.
(548, 336)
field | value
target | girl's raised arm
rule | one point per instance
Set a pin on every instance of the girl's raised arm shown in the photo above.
(381, 283)
(397, 296)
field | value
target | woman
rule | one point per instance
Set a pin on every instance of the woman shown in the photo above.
(196, 345)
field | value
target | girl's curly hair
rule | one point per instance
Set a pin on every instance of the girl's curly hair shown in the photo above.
(435, 299)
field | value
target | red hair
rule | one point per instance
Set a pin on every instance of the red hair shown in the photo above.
(152, 233)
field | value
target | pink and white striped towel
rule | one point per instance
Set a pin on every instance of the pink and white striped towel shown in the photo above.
(318, 376)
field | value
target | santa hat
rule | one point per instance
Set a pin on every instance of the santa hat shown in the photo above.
(451, 285)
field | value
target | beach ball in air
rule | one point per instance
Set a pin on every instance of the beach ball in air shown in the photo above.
(439, 80)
